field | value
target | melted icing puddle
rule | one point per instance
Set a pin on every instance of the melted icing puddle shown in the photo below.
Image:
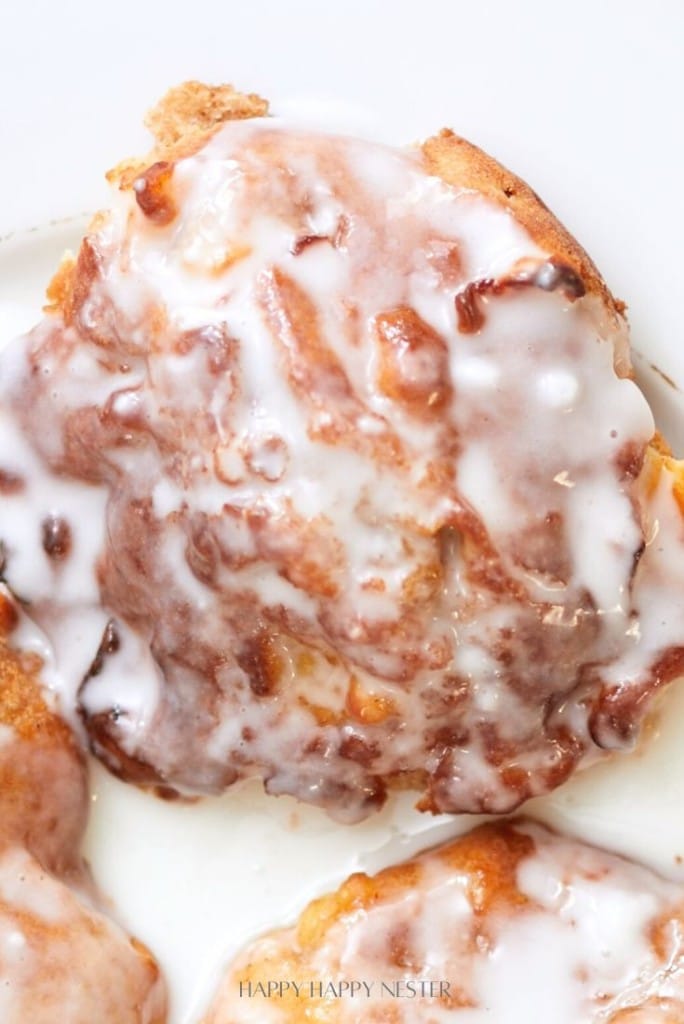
(196, 881)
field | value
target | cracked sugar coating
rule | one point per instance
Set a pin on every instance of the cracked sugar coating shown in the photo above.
(509, 923)
(357, 490)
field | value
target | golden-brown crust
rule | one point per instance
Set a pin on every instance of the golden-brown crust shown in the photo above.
(654, 1011)
(184, 119)
(61, 285)
(463, 165)
(191, 111)
(189, 114)
(43, 800)
(488, 857)
(360, 892)
(22, 707)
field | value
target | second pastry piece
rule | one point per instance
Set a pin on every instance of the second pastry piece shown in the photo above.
(61, 957)
(511, 924)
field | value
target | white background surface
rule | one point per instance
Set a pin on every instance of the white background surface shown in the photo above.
(583, 100)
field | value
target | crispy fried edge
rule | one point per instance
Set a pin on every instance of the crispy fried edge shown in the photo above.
(463, 165)
(185, 119)
(488, 856)
(191, 113)
(22, 704)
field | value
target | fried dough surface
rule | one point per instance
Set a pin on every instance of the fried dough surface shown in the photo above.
(510, 923)
(43, 794)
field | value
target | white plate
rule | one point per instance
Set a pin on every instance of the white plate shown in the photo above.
(582, 101)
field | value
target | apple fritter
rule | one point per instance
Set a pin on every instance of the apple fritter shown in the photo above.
(339, 447)
(509, 924)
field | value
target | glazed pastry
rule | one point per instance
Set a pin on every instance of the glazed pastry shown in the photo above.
(43, 792)
(337, 450)
(510, 924)
(61, 959)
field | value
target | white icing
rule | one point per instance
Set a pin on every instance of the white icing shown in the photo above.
(21, 887)
(186, 903)
(583, 947)
(270, 429)
(61, 960)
